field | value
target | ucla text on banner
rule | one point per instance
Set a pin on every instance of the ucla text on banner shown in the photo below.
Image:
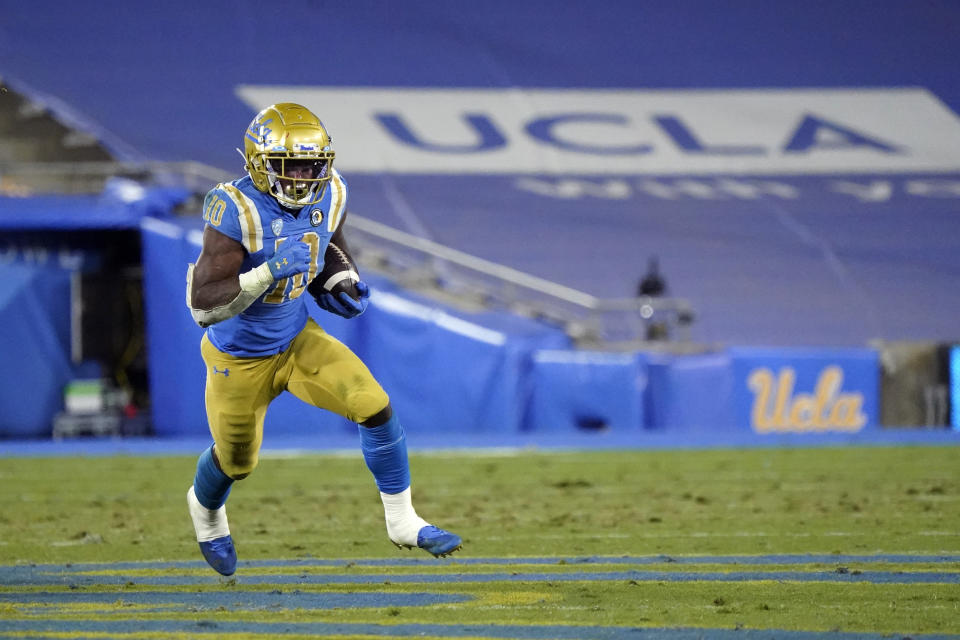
(562, 131)
(803, 391)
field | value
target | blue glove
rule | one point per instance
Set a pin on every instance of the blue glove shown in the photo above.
(344, 305)
(292, 258)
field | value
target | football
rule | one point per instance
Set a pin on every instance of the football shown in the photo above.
(339, 273)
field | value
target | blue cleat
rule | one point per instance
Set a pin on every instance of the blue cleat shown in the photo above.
(438, 542)
(220, 555)
(213, 535)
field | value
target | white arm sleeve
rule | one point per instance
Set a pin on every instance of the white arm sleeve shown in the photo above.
(252, 284)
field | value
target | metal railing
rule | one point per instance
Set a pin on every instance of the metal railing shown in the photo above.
(478, 284)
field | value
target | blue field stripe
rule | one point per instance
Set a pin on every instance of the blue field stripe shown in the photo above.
(25, 577)
(769, 559)
(233, 600)
(639, 576)
(533, 632)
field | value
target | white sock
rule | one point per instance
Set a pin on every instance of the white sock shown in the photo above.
(403, 523)
(209, 524)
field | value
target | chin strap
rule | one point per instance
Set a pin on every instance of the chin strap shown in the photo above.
(276, 191)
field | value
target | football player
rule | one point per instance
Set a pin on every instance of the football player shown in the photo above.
(263, 244)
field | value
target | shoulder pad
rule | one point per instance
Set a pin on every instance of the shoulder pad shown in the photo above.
(338, 200)
(235, 214)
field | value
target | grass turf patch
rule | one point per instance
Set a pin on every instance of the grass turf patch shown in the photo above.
(854, 500)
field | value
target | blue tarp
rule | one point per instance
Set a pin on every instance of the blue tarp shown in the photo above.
(121, 205)
(35, 347)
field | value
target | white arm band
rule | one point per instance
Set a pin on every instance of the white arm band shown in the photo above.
(252, 285)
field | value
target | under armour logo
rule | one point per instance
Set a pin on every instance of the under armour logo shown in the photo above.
(225, 372)
(280, 263)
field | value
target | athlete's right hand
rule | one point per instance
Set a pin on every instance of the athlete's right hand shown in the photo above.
(292, 258)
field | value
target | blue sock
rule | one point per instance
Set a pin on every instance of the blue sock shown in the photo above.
(385, 452)
(211, 485)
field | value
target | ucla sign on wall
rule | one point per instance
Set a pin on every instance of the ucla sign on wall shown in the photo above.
(628, 131)
(780, 391)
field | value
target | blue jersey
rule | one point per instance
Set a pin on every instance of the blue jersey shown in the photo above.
(258, 222)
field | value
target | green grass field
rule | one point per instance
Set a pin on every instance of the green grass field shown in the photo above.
(656, 521)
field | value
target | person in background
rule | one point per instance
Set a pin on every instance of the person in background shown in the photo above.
(653, 285)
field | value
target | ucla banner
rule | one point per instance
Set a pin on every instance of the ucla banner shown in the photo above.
(805, 390)
(630, 131)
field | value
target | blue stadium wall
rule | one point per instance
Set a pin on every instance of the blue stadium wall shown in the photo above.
(492, 374)
(481, 376)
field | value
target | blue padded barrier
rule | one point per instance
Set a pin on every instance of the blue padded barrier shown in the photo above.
(34, 343)
(176, 373)
(574, 390)
(451, 371)
(690, 392)
(791, 390)
(768, 391)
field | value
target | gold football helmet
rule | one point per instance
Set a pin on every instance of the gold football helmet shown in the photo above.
(288, 154)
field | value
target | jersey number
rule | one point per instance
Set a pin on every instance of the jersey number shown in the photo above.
(213, 213)
(279, 293)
